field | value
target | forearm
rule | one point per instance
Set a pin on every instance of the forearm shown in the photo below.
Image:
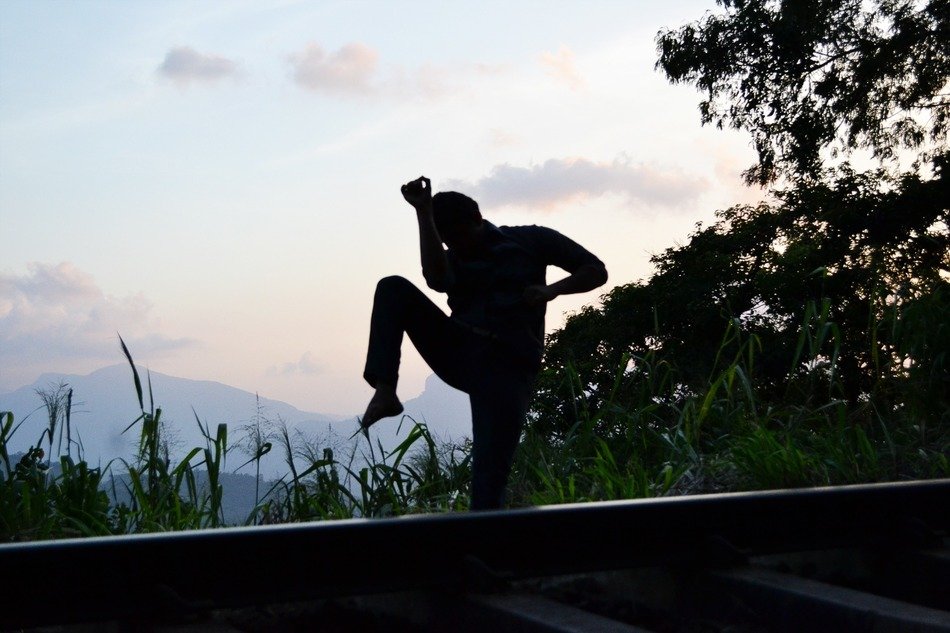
(584, 279)
(435, 266)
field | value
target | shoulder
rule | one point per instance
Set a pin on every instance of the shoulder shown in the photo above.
(528, 232)
(552, 246)
(533, 235)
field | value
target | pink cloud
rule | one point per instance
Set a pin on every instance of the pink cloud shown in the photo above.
(355, 70)
(560, 65)
(350, 70)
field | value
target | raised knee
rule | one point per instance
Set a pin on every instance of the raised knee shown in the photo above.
(393, 282)
(394, 279)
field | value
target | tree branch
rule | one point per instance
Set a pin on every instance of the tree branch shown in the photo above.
(831, 59)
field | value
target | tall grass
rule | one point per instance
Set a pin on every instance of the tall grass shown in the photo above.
(418, 475)
(650, 436)
(162, 495)
(37, 504)
(152, 492)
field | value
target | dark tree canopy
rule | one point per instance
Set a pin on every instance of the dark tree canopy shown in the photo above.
(874, 259)
(860, 260)
(804, 76)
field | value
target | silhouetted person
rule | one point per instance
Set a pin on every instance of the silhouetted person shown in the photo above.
(491, 345)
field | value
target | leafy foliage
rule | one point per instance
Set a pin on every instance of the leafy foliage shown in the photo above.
(832, 299)
(868, 250)
(803, 76)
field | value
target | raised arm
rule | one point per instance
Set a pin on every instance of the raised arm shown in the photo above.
(435, 265)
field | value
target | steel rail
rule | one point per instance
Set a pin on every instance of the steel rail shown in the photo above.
(105, 578)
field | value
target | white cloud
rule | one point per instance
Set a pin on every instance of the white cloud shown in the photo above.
(560, 65)
(184, 65)
(56, 316)
(350, 70)
(558, 181)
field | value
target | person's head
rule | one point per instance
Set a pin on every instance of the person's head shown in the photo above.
(458, 220)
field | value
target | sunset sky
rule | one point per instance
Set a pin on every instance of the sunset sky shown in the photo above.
(218, 182)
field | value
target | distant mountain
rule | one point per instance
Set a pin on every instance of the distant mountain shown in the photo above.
(444, 409)
(105, 403)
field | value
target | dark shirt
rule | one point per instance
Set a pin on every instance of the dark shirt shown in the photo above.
(488, 292)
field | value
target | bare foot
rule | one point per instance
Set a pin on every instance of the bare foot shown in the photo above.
(383, 404)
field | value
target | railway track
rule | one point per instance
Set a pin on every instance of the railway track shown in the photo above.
(863, 558)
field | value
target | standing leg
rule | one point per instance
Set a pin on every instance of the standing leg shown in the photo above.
(499, 406)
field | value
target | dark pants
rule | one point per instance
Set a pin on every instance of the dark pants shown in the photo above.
(498, 386)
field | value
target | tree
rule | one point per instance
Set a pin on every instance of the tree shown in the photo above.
(808, 76)
(874, 260)
(867, 252)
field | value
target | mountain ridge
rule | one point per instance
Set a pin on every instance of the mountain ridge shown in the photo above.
(105, 403)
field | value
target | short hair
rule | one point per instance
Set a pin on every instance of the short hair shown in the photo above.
(451, 208)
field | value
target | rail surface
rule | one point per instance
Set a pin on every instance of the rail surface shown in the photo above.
(474, 555)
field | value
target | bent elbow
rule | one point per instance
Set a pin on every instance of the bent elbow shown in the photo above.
(601, 275)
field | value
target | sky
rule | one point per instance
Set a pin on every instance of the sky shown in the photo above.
(218, 182)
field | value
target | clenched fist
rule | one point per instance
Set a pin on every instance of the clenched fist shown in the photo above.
(418, 192)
